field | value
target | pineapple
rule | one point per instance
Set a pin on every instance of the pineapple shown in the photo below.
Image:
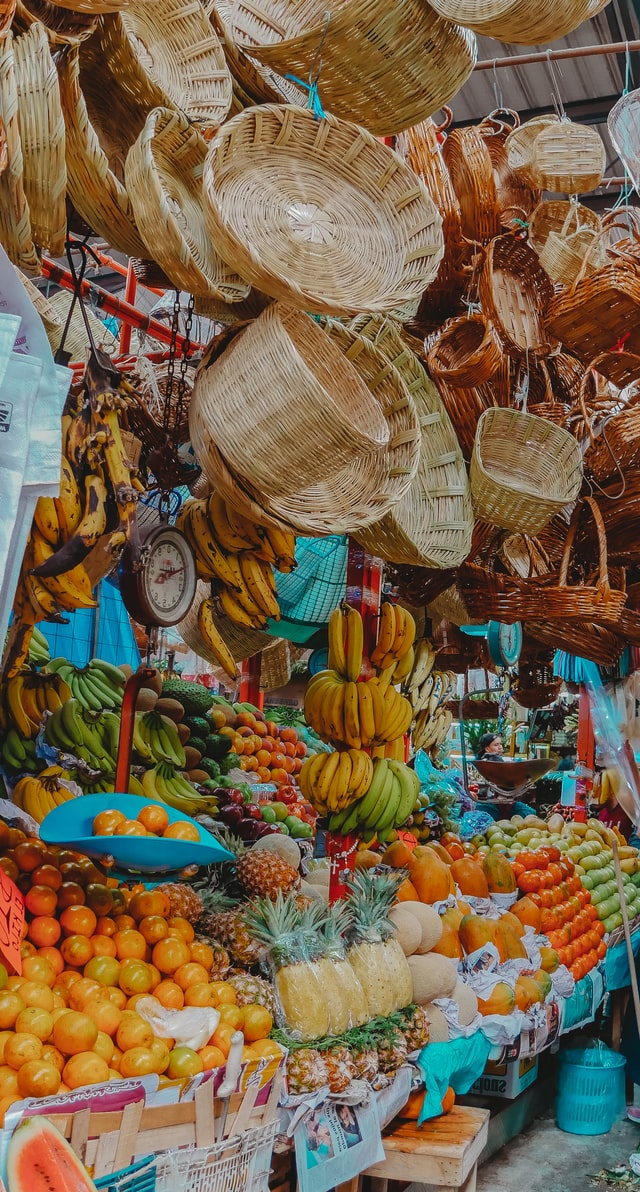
(301, 998)
(392, 1051)
(415, 1027)
(221, 959)
(366, 1062)
(345, 996)
(341, 1069)
(386, 984)
(222, 921)
(258, 871)
(306, 1071)
(250, 990)
(185, 901)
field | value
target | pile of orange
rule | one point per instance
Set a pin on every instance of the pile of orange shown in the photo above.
(152, 820)
(91, 950)
(270, 751)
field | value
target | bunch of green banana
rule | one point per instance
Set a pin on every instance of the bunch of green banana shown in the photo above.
(38, 796)
(165, 785)
(38, 648)
(89, 736)
(159, 739)
(96, 686)
(333, 781)
(387, 804)
(28, 695)
(19, 753)
(105, 786)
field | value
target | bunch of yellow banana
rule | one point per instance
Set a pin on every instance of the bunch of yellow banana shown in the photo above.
(27, 696)
(393, 749)
(396, 635)
(346, 637)
(40, 795)
(332, 781)
(245, 581)
(361, 714)
(166, 785)
(214, 639)
(431, 729)
(236, 533)
(387, 804)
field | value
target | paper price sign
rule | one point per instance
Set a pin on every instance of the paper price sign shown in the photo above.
(11, 923)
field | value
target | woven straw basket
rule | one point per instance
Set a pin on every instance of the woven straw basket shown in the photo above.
(585, 639)
(283, 406)
(519, 21)
(243, 643)
(562, 234)
(386, 64)
(95, 152)
(163, 178)
(516, 199)
(95, 7)
(431, 526)
(568, 158)
(253, 81)
(600, 317)
(15, 220)
(275, 665)
(320, 215)
(466, 353)
(515, 293)
(63, 27)
(7, 10)
(617, 446)
(520, 143)
(468, 160)
(523, 470)
(622, 123)
(42, 137)
(152, 388)
(165, 53)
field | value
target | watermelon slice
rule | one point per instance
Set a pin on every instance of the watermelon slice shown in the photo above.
(39, 1159)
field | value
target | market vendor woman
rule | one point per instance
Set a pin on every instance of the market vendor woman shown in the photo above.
(491, 749)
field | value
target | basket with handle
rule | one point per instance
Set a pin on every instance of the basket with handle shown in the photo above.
(468, 160)
(15, 219)
(568, 158)
(275, 665)
(42, 137)
(515, 293)
(520, 143)
(617, 446)
(516, 198)
(281, 194)
(385, 65)
(584, 639)
(537, 685)
(622, 124)
(562, 232)
(466, 353)
(523, 470)
(518, 21)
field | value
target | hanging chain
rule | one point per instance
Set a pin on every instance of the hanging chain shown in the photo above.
(184, 362)
(168, 393)
(171, 424)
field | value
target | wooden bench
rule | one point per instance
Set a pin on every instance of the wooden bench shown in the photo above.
(442, 1154)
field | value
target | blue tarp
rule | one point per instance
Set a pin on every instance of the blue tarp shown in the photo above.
(115, 641)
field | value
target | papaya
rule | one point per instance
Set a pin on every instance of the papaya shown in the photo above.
(527, 912)
(527, 992)
(453, 916)
(499, 874)
(430, 876)
(449, 943)
(476, 933)
(40, 1159)
(502, 1000)
(550, 959)
(407, 892)
(544, 982)
(513, 922)
(470, 878)
(464, 907)
(411, 1110)
(398, 855)
(448, 1101)
(508, 942)
(440, 851)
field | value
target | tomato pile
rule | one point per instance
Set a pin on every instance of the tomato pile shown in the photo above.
(567, 916)
(273, 753)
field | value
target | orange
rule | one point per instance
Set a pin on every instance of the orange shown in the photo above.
(130, 945)
(149, 902)
(15, 982)
(76, 951)
(5, 1104)
(257, 1022)
(171, 996)
(154, 818)
(103, 969)
(44, 931)
(202, 954)
(138, 1061)
(169, 954)
(247, 1055)
(51, 1055)
(28, 855)
(116, 1057)
(106, 1016)
(199, 995)
(135, 977)
(37, 1078)
(106, 925)
(124, 922)
(182, 926)
(132, 1001)
(68, 978)
(224, 993)
(161, 1053)
(39, 968)
(118, 998)
(103, 945)
(4, 1036)
(212, 1057)
(181, 830)
(231, 1015)
(106, 822)
(74, 1033)
(133, 1031)
(78, 920)
(184, 1061)
(23, 1047)
(153, 928)
(8, 1081)
(33, 993)
(54, 956)
(27, 948)
(103, 1046)
(41, 900)
(130, 828)
(267, 1049)
(190, 974)
(47, 875)
(35, 1021)
(222, 1038)
(84, 991)
(70, 894)
(85, 1067)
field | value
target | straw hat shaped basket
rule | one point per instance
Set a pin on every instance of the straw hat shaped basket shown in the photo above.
(97, 142)
(163, 178)
(283, 406)
(42, 137)
(15, 220)
(466, 353)
(523, 470)
(386, 64)
(515, 292)
(468, 160)
(519, 21)
(319, 214)
(63, 26)
(165, 53)
(431, 525)
(258, 83)
(562, 233)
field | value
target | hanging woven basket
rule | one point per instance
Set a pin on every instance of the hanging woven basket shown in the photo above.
(520, 143)
(63, 27)
(468, 160)
(515, 293)
(518, 21)
(563, 233)
(599, 316)
(622, 124)
(323, 217)
(516, 198)
(257, 83)
(568, 158)
(15, 219)
(582, 639)
(466, 353)
(42, 137)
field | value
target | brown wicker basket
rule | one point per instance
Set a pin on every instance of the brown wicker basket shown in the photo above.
(516, 198)
(537, 685)
(581, 638)
(518, 21)
(275, 665)
(7, 10)
(151, 385)
(600, 317)
(466, 353)
(616, 448)
(323, 217)
(523, 470)
(562, 233)
(464, 407)
(42, 137)
(515, 293)
(468, 160)
(15, 221)
(520, 143)
(63, 26)
(386, 64)
(568, 158)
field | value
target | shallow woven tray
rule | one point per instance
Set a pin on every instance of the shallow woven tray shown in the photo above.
(519, 21)
(386, 64)
(43, 138)
(468, 160)
(15, 221)
(431, 526)
(163, 178)
(523, 470)
(320, 215)
(255, 82)
(515, 293)
(166, 53)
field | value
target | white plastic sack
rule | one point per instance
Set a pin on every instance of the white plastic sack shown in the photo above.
(192, 1027)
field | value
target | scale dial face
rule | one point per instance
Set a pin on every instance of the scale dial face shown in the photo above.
(505, 642)
(162, 590)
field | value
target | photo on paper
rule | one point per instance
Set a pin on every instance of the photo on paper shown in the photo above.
(334, 1143)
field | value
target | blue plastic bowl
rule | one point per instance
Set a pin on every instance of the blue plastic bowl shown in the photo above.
(71, 825)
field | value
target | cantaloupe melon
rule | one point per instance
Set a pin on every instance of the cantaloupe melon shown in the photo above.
(286, 847)
(438, 1025)
(408, 929)
(429, 921)
(433, 976)
(39, 1159)
(466, 1001)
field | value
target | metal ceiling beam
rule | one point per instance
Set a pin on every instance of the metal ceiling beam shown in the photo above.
(585, 111)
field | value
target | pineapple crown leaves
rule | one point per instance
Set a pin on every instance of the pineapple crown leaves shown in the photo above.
(276, 924)
(312, 923)
(370, 900)
(337, 923)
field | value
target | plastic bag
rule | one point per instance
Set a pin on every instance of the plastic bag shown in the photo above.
(192, 1027)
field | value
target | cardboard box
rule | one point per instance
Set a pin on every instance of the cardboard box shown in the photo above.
(506, 1080)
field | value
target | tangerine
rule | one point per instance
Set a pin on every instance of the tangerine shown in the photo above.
(190, 974)
(198, 995)
(231, 1015)
(183, 927)
(181, 830)
(103, 969)
(130, 945)
(133, 1031)
(130, 828)
(28, 854)
(106, 1016)
(8, 1081)
(257, 1022)
(103, 945)
(39, 968)
(23, 1047)
(70, 894)
(99, 898)
(153, 928)
(106, 822)
(51, 1055)
(222, 1037)
(106, 925)
(154, 818)
(47, 875)
(161, 1055)
(38, 1078)
(44, 931)
(184, 1061)
(171, 996)
(35, 1021)
(212, 1057)
(83, 991)
(34, 993)
(169, 954)
(78, 920)
(149, 902)
(103, 1046)
(135, 977)
(138, 1061)
(85, 1067)
(73, 1034)
(202, 954)
(41, 900)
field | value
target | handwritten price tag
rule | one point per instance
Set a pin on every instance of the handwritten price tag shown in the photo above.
(11, 923)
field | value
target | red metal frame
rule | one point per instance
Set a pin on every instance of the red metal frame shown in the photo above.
(127, 715)
(250, 692)
(130, 289)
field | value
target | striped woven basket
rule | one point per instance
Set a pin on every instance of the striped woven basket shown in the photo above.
(42, 137)
(15, 219)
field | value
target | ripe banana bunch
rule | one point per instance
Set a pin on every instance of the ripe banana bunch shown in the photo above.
(27, 696)
(418, 683)
(387, 804)
(333, 781)
(237, 533)
(92, 737)
(98, 685)
(214, 639)
(393, 749)
(165, 785)
(38, 796)
(358, 714)
(159, 737)
(19, 753)
(431, 729)
(346, 637)
(244, 579)
(396, 635)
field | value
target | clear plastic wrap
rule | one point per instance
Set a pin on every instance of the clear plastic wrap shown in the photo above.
(301, 1000)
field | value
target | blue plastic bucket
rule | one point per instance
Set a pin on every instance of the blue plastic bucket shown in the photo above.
(590, 1094)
